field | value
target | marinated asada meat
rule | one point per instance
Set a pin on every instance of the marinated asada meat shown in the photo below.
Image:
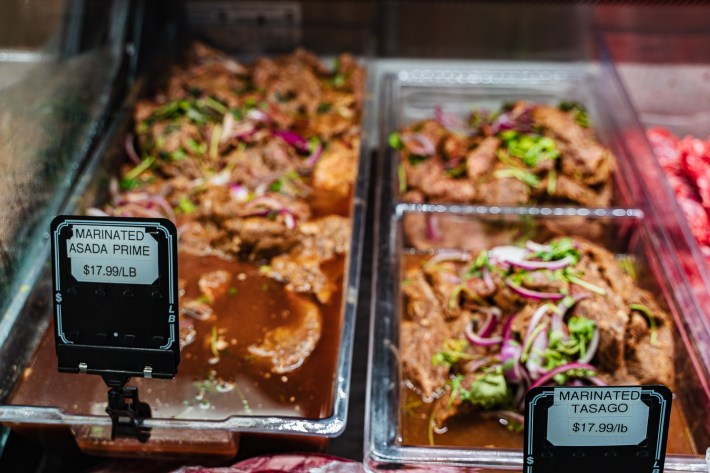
(524, 154)
(254, 163)
(481, 328)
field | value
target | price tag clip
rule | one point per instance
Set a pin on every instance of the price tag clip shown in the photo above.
(596, 428)
(116, 306)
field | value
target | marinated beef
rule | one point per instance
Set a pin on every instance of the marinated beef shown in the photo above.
(285, 348)
(524, 154)
(255, 164)
(302, 268)
(582, 155)
(563, 304)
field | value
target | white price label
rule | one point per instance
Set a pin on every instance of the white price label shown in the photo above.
(597, 416)
(113, 254)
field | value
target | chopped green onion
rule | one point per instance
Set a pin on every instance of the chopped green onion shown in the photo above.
(186, 206)
(402, 175)
(215, 105)
(395, 140)
(551, 181)
(138, 170)
(651, 320)
(523, 176)
(585, 284)
(214, 141)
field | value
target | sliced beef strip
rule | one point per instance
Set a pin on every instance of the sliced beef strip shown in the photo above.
(446, 407)
(417, 345)
(214, 284)
(325, 237)
(302, 273)
(199, 239)
(453, 149)
(580, 153)
(320, 241)
(286, 348)
(422, 303)
(335, 170)
(506, 191)
(543, 281)
(261, 237)
(430, 177)
(481, 160)
(430, 128)
(609, 313)
(422, 335)
(569, 189)
(444, 278)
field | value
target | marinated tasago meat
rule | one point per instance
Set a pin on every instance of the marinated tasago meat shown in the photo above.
(524, 154)
(253, 163)
(480, 330)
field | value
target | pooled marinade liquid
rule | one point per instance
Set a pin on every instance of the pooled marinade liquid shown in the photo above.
(485, 431)
(256, 305)
(238, 383)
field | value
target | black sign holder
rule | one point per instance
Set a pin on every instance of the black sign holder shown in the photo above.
(648, 456)
(116, 307)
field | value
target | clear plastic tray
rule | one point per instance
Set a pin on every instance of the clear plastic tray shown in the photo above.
(675, 96)
(633, 229)
(413, 94)
(202, 433)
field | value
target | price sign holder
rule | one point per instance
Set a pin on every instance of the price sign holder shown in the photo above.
(589, 429)
(116, 306)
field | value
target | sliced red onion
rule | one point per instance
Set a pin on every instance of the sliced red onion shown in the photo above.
(535, 320)
(449, 121)
(477, 340)
(258, 115)
(557, 323)
(591, 348)
(294, 139)
(221, 178)
(289, 219)
(147, 201)
(535, 265)
(483, 338)
(419, 144)
(561, 369)
(227, 126)
(448, 255)
(597, 381)
(243, 130)
(239, 192)
(535, 358)
(507, 252)
(510, 352)
(563, 306)
(487, 279)
(537, 247)
(492, 318)
(433, 232)
(266, 201)
(530, 294)
(315, 155)
(94, 212)
(130, 149)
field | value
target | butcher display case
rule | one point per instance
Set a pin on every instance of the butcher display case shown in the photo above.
(317, 158)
